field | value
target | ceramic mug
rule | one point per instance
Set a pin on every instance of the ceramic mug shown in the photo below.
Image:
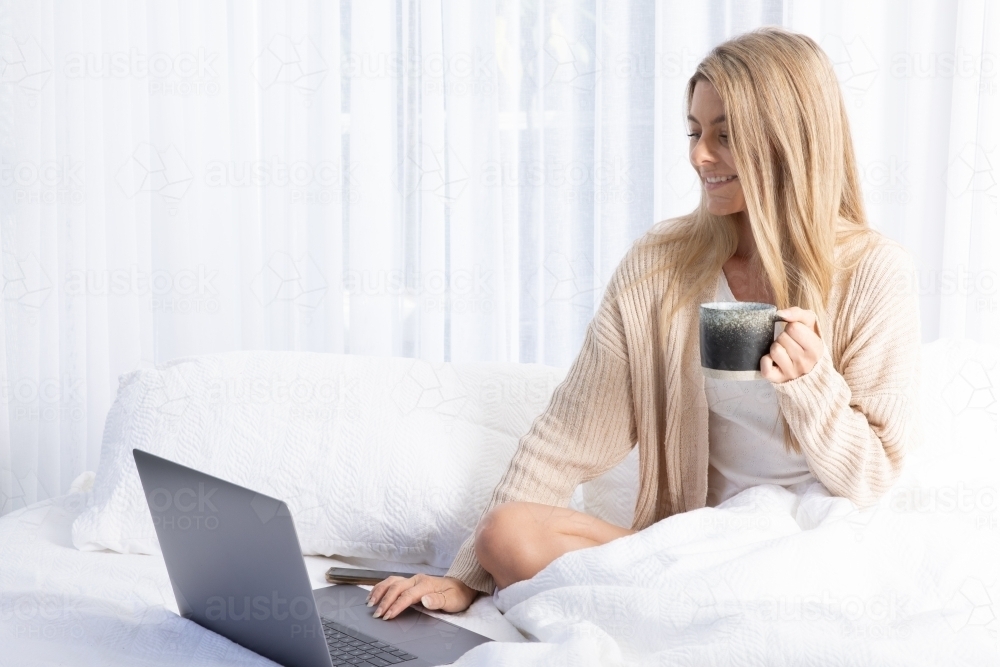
(734, 335)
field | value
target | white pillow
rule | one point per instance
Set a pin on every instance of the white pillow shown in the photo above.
(383, 458)
(612, 496)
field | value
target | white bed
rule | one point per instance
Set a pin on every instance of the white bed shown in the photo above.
(770, 577)
(62, 606)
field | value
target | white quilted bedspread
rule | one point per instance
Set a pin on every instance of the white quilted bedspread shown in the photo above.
(773, 577)
(761, 583)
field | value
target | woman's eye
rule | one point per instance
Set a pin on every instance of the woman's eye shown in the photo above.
(694, 135)
(724, 138)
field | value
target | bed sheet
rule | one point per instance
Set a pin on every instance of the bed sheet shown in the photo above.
(61, 606)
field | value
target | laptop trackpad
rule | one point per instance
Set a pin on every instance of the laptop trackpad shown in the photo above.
(444, 648)
(430, 638)
(409, 625)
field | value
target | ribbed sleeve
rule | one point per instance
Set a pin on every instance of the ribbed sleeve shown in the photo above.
(587, 429)
(854, 426)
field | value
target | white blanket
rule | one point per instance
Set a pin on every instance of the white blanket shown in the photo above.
(775, 577)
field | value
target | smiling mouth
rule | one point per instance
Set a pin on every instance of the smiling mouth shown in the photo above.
(716, 180)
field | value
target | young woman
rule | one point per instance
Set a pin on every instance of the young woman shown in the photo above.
(781, 221)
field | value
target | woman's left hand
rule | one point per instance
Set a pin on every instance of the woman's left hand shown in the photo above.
(796, 350)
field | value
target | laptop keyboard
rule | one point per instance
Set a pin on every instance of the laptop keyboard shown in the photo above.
(350, 647)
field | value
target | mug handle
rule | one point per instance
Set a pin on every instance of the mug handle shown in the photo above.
(775, 318)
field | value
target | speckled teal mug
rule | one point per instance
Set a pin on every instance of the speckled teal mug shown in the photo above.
(734, 335)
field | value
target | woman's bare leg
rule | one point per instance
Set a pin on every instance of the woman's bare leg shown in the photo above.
(514, 541)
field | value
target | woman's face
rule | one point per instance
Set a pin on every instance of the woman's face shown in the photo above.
(710, 154)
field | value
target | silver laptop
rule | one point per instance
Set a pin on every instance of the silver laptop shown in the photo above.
(236, 568)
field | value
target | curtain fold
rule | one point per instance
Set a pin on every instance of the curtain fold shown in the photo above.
(437, 179)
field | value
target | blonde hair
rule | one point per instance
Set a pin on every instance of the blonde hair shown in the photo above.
(791, 142)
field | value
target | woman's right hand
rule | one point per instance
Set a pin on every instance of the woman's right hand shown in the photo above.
(394, 594)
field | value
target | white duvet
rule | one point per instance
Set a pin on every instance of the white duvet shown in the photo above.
(776, 577)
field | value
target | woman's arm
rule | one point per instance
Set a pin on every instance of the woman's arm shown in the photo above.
(587, 429)
(855, 425)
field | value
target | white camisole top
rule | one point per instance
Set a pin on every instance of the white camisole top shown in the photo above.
(746, 434)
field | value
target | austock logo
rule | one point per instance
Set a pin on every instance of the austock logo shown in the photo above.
(563, 280)
(666, 64)
(607, 181)
(155, 170)
(961, 64)
(24, 63)
(436, 388)
(259, 608)
(171, 396)
(45, 398)
(432, 170)
(60, 181)
(40, 615)
(972, 607)
(285, 61)
(275, 391)
(19, 489)
(25, 280)
(185, 509)
(465, 290)
(972, 389)
(186, 73)
(886, 181)
(973, 171)
(306, 182)
(292, 279)
(564, 63)
(456, 74)
(853, 63)
(876, 616)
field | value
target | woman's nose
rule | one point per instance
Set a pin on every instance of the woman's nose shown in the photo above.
(701, 154)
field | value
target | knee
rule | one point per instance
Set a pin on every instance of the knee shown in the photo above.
(497, 535)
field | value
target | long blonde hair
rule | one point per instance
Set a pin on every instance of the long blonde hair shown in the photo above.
(791, 142)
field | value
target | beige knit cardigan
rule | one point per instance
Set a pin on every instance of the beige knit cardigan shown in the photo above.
(853, 415)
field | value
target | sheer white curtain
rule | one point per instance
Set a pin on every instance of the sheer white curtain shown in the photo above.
(438, 179)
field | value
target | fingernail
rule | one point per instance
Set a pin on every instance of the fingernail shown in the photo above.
(378, 612)
(426, 600)
(370, 601)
